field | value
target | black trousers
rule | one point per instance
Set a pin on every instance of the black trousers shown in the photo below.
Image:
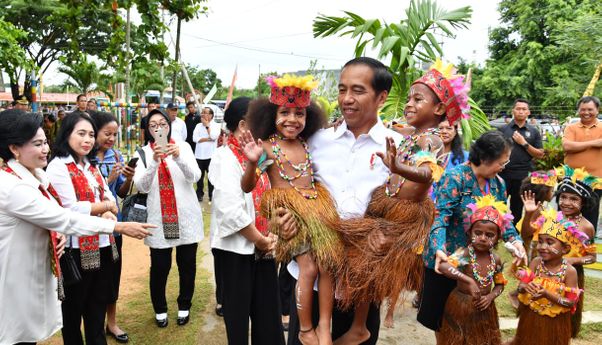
(516, 202)
(341, 321)
(592, 213)
(117, 269)
(250, 291)
(160, 266)
(217, 270)
(286, 283)
(204, 166)
(88, 299)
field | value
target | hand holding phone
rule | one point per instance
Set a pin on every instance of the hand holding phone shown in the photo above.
(132, 163)
(161, 138)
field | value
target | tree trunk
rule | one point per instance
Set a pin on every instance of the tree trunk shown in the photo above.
(175, 74)
(592, 84)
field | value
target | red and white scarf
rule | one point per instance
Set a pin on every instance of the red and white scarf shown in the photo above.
(263, 184)
(55, 267)
(89, 245)
(167, 195)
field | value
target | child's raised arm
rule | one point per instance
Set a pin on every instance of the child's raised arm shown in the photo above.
(531, 208)
(252, 150)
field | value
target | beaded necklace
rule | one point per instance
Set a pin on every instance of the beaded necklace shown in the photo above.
(408, 146)
(560, 274)
(474, 266)
(303, 168)
(577, 219)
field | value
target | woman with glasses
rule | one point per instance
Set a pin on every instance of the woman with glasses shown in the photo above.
(168, 177)
(119, 179)
(457, 188)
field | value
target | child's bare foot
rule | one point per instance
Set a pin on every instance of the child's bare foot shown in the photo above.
(389, 321)
(308, 337)
(354, 336)
(323, 333)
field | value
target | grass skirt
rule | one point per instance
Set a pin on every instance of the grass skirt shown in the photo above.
(576, 317)
(316, 223)
(535, 329)
(369, 276)
(463, 324)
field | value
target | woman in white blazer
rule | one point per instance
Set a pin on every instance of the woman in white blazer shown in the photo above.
(168, 177)
(30, 217)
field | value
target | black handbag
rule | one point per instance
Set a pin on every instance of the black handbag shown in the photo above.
(70, 269)
(133, 207)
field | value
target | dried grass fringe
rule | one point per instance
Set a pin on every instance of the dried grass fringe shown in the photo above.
(535, 329)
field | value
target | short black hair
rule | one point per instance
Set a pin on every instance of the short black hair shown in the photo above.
(147, 133)
(61, 143)
(382, 79)
(80, 96)
(540, 191)
(488, 147)
(261, 119)
(210, 110)
(587, 99)
(190, 103)
(236, 112)
(17, 127)
(102, 118)
(519, 100)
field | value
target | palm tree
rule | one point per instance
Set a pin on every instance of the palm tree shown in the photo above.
(83, 75)
(406, 43)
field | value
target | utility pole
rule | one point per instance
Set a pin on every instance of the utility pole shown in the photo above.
(259, 82)
(175, 74)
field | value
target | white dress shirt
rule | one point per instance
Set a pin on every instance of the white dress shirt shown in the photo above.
(184, 172)
(178, 130)
(205, 149)
(29, 307)
(232, 209)
(58, 174)
(341, 163)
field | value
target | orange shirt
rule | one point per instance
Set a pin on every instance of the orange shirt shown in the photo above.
(590, 159)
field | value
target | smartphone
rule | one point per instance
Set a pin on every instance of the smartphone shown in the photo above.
(132, 162)
(161, 138)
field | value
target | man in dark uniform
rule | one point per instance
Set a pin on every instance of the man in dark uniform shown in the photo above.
(192, 119)
(527, 145)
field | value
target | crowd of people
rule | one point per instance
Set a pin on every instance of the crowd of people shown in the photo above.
(319, 222)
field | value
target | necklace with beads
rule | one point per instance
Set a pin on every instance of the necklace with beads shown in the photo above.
(406, 149)
(303, 169)
(474, 266)
(577, 219)
(559, 275)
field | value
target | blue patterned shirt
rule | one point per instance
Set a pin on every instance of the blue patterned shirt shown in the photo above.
(105, 166)
(457, 188)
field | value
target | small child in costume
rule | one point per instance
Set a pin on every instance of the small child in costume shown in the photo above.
(470, 316)
(535, 189)
(548, 288)
(575, 193)
(383, 249)
(285, 121)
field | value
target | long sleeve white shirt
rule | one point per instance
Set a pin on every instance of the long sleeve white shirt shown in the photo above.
(58, 174)
(29, 307)
(178, 130)
(205, 149)
(184, 172)
(232, 209)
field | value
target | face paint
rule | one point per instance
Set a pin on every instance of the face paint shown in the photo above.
(554, 250)
(454, 272)
(279, 121)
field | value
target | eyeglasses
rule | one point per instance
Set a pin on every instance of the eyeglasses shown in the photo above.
(155, 125)
(503, 165)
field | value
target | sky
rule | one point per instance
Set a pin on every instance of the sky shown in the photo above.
(276, 35)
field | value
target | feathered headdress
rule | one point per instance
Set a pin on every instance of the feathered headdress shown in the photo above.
(548, 178)
(291, 91)
(451, 89)
(577, 181)
(487, 208)
(554, 224)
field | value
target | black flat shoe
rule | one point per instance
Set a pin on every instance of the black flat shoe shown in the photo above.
(121, 338)
(162, 323)
(183, 320)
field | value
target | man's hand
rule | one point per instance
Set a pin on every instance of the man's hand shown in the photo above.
(267, 243)
(518, 138)
(285, 221)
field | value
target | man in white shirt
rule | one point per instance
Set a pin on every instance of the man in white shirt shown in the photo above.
(205, 136)
(344, 163)
(178, 126)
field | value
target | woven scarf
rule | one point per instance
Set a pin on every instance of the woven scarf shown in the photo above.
(89, 245)
(54, 258)
(263, 184)
(167, 195)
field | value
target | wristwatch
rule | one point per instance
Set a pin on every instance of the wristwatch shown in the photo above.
(526, 146)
